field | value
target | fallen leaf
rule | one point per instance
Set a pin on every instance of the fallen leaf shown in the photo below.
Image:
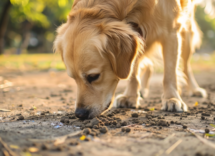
(33, 149)
(210, 135)
(196, 104)
(212, 125)
(14, 146)
(83, 137)
(152, 109)
(26, 154)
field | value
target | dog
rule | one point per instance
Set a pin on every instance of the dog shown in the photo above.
(104, 41)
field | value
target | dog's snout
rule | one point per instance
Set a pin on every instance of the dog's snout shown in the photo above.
(82, 113)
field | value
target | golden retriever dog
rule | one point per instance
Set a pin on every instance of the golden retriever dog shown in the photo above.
(104, 41)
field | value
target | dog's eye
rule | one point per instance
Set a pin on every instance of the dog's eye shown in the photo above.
(93, 77)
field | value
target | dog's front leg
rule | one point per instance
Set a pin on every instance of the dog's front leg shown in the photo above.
(171, 100)
(131, 96)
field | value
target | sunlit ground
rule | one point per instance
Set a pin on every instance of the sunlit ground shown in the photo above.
(30, 62)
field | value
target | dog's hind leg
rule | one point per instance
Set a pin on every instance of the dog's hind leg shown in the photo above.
(187, 50)
(146, 74)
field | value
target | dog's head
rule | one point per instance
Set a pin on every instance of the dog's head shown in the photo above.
(97, 55)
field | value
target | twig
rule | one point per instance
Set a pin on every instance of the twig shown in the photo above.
(8, 150)
(57, 139)
(173, 147)
(4, 110)
(203, 140)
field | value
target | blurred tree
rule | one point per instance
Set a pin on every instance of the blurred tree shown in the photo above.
(25, 15)
(3, 23)
(206, 23)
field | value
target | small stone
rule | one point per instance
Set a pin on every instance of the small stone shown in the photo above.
(21, 117)
(123, 129)
(44, 147)
(87, 131)
(124, 123)
(205, 114)
(89, 125)
(184, 127)
(103, 129)
(207, 130)
(118, 125)
(93, 134)
(112, 126)
(74, 143)
(87, 139)
(107, 123)
(72, 117)
(66, 121)
(96, 127)
(128, 129)
(114, 122)
(95, 121)
(134, 115)
(172, 122)
(202, 117)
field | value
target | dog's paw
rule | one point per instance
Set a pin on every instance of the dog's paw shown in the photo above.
(200, 92)
(123, 101)
(144, 93)
(173, 105)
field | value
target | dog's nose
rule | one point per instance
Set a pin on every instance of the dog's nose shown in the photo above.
(82, 113)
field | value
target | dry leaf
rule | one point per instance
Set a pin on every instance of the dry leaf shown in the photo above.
(33, 149)
(83, 137)
(14, 146)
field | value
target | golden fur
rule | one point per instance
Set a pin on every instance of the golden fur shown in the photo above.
(113, 39)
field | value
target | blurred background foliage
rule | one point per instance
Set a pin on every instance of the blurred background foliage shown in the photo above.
(28, 27)
(32, 24)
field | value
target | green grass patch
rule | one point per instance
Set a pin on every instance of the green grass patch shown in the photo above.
(31, 62)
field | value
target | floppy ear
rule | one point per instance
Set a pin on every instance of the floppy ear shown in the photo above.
(121, 50)
(58, 47)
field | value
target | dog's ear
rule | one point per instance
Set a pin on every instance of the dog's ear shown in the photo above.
(121, 48)
(58, 47)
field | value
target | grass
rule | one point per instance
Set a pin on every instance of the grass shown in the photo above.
(29, 62)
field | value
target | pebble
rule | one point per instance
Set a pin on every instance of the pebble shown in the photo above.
(123, 129)
(184, 127)
(202, 117)
(207, 130)
(128, 129)
(103, 129)
(95, 121)
(124, 123)
(87, 131)
(21, 117)
(135, 115)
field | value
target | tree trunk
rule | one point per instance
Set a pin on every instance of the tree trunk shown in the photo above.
(3, 24)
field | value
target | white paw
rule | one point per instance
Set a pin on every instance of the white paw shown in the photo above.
(123, 101)
(144, 93)
(173, 105)
(200, 92)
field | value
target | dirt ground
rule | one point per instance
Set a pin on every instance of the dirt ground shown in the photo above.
(41, 121)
